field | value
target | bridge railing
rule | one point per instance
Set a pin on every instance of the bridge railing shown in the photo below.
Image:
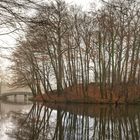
(15, 93)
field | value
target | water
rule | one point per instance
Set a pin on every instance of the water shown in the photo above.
(9, 111)
(69, 122)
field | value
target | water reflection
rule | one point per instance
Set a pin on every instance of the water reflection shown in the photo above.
(9, 117)
(80, 122)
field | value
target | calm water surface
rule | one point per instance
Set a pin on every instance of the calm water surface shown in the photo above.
(68, 122)
(9, 111)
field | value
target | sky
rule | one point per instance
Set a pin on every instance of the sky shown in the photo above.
(86, 4)
(7, 41)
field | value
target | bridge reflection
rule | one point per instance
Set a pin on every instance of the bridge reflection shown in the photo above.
(10, 106)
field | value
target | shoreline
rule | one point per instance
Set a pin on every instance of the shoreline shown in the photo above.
(99, 102)
(75, 95)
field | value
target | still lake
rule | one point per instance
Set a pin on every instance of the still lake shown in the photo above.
(36, 121)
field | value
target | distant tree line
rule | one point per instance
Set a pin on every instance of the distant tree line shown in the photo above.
(65, 46)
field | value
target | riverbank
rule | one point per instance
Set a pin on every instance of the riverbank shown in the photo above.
(92, 96)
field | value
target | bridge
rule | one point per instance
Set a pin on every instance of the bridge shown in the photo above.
(8, 102)
(5, 95)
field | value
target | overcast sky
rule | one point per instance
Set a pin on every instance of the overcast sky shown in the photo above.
(86, 4)
(10, 40)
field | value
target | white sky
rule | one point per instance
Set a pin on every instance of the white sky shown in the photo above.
(10, 40)
(86, 4)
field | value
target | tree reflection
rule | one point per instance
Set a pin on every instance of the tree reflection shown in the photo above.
(98, 123)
